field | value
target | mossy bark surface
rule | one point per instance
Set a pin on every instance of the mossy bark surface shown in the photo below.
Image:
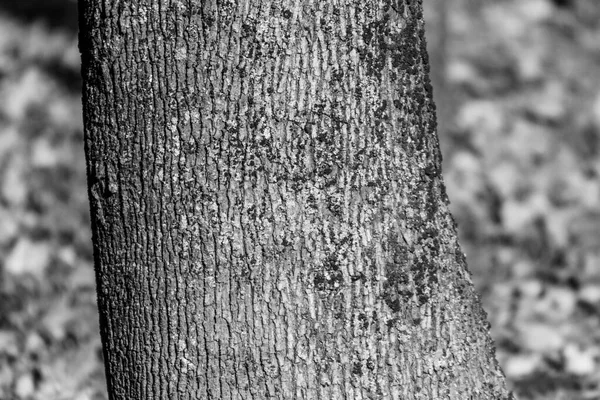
(269, 216)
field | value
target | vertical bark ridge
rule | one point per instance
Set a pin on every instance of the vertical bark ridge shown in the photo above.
(269, 214)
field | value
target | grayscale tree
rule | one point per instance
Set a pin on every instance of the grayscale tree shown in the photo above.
(268, 212)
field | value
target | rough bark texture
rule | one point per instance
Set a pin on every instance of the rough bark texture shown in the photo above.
(269, 219)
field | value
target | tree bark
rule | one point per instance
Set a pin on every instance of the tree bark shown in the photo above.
(269, 216)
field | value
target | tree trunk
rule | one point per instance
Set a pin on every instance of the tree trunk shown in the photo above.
(269, 217)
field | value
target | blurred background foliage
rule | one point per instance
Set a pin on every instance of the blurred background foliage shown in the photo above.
(517, 84)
